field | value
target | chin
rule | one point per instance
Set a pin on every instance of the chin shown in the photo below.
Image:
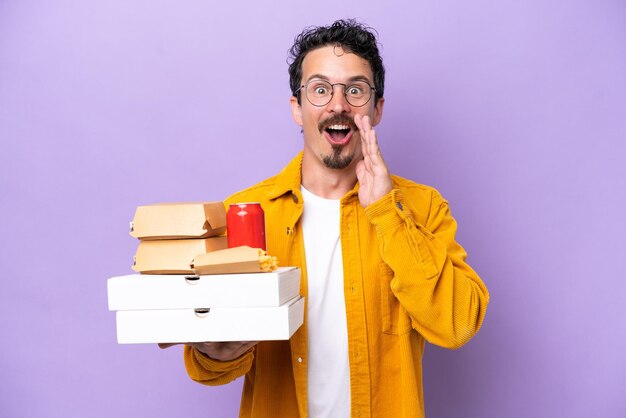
(337, 161)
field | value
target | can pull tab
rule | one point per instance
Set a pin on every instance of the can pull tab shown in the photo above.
(192, 279)
(202, 312)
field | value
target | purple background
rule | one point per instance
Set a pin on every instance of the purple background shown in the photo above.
(515, 111)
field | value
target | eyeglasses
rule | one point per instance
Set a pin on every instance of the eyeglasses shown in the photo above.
(319, 92)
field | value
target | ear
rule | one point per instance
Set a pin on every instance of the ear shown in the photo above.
(378, 111)
(296, 110)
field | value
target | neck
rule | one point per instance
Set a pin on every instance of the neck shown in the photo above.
(325, 182)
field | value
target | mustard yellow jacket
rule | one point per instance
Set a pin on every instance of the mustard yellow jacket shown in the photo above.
(405, 282)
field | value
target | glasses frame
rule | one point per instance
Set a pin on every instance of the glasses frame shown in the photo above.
(332, 86)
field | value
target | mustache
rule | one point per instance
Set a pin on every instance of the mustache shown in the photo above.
(336, 120)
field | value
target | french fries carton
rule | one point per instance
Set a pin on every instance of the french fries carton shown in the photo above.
(242, 259)
(173, 256)
(179, 221)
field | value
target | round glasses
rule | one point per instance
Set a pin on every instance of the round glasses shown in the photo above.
(320, 93)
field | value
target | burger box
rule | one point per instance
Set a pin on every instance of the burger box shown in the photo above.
(179, 220)
(173, 256)
(188, 308)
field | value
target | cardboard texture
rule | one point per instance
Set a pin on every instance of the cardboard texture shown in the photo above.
(214, 324)
(232, 260)
(179, 220)
(140, 292)
(173, 256)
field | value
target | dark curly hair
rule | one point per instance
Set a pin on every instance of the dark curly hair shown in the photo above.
(351, 35)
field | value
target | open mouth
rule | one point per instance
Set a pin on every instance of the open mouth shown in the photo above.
(338, 134)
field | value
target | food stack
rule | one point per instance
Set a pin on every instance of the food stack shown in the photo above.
(172, 234)
(192, 288)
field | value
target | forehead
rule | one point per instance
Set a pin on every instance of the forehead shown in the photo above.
(335, 64)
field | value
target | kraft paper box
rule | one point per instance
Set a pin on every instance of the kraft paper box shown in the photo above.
(146, 291)
(242, 259)
(210, 324)
(179, 220)
(173, 256)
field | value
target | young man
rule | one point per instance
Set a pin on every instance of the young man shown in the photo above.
(381, 270)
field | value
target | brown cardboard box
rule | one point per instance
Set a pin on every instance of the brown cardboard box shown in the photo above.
(179, 220)
(173, 256)
(232, 260)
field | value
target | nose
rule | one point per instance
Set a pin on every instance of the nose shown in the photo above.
(338, 102)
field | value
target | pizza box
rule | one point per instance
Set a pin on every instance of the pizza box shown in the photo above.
(210, 324)
(146, 291)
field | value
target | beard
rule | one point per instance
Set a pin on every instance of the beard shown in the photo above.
(336, 160)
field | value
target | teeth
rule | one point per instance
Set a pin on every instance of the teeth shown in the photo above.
(338, 127)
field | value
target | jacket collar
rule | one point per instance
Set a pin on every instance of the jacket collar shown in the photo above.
(290, 178)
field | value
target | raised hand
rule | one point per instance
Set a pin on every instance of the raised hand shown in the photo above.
(372, 172)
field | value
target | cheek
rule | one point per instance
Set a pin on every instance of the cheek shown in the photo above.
(309, 122)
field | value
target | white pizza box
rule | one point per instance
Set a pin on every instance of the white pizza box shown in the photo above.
(146, 291)
(210, 324)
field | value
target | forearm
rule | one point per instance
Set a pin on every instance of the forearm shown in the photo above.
(444, 297)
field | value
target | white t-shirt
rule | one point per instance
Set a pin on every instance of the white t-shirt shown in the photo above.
(328, 374)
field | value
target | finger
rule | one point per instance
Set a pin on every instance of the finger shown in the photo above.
(376, 155)
(374, 149)
(163, 346)
(244, 345)
(358, 122)
(365, 147)
(237, 349)
(247, 346)
(367, 128)
(371, 135)
(363, 125)
(367, 124)
(365, 141)
(361, 174)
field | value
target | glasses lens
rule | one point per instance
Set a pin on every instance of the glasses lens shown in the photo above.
(319, 92)
(358, 93)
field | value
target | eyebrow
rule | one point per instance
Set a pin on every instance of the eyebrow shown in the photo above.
(351, 79)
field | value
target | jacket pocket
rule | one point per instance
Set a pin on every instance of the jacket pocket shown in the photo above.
(395, 320)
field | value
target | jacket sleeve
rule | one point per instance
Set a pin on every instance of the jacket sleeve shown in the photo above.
(207, 371)
(444, 297)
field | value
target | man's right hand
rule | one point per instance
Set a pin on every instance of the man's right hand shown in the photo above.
(221, 351)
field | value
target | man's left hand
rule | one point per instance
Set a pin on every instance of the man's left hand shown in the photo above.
(372, 172)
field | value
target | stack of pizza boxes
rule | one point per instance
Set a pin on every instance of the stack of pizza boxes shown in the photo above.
(190, 287)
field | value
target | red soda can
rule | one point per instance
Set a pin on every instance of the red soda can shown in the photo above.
(245, 223)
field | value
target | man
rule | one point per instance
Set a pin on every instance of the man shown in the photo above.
(381, 271)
